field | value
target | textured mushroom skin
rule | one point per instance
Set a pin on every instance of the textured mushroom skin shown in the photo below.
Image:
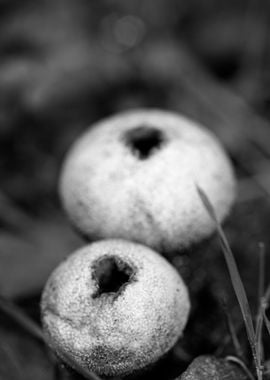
(114, 333)
(110, 191)
(211, 368)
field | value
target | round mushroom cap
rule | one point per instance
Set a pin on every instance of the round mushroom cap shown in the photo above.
(114, 307)
(134, 176)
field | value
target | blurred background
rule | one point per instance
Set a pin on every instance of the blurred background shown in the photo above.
(65, 64)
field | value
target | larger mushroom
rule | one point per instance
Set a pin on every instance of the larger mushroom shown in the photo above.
(134, 176)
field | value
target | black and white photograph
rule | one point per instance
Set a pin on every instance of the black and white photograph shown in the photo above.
(134, 190)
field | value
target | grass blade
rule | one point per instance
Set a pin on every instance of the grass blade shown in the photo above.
(235, 279)
(265, 304)
(239, 362)
(259, 327)
(266, 321)
(21, 318)
(259, 318)
(261, 273)
(29, 325)
(232, 330)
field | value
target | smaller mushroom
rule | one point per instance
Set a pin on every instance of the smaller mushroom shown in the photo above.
(133, 176)
(114, 307)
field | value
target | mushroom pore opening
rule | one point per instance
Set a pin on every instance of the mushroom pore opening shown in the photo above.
(111, 275)
(144, 140)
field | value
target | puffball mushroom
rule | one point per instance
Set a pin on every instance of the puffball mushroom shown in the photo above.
(211, 368)
(134, 176)
(114, 307)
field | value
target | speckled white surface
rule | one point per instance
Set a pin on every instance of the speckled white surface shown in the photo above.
(114, 335)
(211, 368)
(109, 192)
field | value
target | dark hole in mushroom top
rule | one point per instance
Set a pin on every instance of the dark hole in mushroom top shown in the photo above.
(144, 140)
(111, 275)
